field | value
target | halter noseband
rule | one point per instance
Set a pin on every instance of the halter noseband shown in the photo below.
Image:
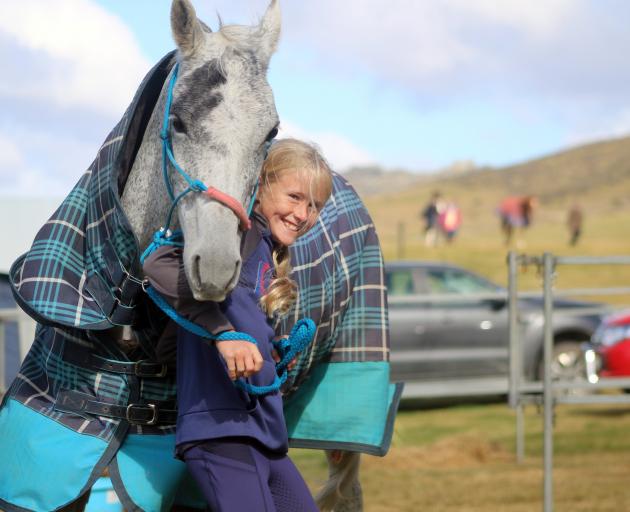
(193, 184)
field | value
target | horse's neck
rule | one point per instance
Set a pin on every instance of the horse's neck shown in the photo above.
(144, 199)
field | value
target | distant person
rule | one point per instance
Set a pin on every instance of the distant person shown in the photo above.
(515, 212)
(449, 220)
(431, 215)
(575, 218)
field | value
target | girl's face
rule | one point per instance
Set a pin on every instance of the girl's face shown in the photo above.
(289, 207)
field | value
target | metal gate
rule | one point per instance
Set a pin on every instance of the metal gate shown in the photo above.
(550, 392)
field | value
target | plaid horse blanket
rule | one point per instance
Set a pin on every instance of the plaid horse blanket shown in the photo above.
(80, 403)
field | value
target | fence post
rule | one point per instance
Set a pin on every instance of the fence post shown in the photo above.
(516, 356)
(548, 266)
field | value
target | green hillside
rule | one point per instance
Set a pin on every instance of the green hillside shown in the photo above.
(597, 176)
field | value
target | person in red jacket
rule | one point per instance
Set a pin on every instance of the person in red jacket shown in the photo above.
(450, 220)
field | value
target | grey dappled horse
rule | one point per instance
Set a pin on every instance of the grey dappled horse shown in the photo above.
(221, 116)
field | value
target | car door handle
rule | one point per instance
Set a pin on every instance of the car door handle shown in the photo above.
(419, 329)
(486, 325)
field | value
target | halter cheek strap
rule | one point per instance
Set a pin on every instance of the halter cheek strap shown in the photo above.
(194, 185)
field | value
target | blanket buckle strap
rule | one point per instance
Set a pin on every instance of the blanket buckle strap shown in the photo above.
(136, 420)
(146, 368)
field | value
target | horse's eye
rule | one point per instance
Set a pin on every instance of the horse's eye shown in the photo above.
(177, 125)
(272, 134)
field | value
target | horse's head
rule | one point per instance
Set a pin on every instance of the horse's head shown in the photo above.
(221, 119)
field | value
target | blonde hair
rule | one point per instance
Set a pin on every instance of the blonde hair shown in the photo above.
(285, 156)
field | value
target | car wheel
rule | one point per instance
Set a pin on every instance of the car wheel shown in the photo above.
(567, 363)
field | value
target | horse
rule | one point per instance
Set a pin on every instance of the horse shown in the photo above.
(185, 155)
(515, 212)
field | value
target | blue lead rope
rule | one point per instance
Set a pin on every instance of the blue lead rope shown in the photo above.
(288, 348)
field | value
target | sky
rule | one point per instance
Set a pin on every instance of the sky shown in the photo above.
(412, 84)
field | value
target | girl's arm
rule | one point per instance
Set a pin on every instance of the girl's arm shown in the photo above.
(164, 269)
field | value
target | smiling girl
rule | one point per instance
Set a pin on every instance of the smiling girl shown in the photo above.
(235, 444)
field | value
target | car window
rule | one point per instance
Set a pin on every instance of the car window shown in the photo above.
(399, 282)
(456, 281)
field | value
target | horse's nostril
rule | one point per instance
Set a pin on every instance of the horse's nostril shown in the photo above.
(196, 271)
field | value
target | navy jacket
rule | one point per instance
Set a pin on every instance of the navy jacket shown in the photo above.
(210, 406)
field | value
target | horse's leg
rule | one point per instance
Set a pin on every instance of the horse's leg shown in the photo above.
(77, 505)
(342, 492)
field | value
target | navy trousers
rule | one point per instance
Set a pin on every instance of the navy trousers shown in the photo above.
(237, 475)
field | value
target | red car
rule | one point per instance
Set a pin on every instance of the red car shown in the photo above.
(608, 354)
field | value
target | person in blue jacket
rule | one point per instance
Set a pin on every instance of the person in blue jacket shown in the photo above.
(234, 443)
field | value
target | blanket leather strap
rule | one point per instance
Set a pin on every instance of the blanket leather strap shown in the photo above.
(143, 368)
(150, 413)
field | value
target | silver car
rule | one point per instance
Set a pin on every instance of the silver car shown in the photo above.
(450, 331)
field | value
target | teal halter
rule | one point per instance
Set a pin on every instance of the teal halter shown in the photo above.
(303, 331)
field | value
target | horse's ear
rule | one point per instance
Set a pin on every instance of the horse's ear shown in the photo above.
(187, 30)
(269, 31)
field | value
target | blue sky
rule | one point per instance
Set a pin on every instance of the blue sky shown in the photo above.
(402, 84)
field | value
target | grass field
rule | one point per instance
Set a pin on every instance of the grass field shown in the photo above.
(461, 458)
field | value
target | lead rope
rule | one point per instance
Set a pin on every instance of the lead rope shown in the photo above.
(300, 337)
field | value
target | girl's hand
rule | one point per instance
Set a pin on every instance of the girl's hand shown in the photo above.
(241, 357)
(276, 356)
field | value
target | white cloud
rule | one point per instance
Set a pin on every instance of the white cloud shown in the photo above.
(10, 154)
(339, 151)
(38, 163)
(71, 46)
(446, 47)
(531, 18)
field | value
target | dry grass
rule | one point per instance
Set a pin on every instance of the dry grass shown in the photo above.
(462, 459)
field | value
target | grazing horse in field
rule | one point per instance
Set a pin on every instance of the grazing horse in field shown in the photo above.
(90, 395)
